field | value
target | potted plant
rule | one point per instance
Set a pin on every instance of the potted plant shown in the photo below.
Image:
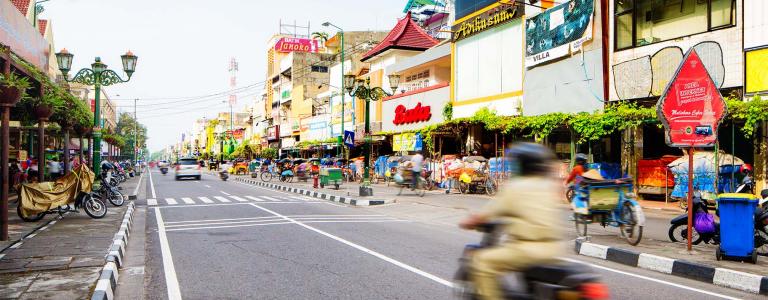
(12, 88)
(43, 107)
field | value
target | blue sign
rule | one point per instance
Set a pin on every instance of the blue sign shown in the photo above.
(349, 138)
(419, 143)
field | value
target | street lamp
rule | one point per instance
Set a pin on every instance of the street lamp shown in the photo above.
(343, 119)
(221, 136)
(359, 88)
(98, 75)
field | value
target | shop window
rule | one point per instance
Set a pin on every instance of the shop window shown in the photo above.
(644, 22)
(320, 69)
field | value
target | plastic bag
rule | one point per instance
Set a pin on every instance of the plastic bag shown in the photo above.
(465, 178)
(398, 178)
(704, 223)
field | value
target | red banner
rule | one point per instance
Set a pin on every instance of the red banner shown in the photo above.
(93, 105)
(416, 114)
(286, 45)
(691, 107)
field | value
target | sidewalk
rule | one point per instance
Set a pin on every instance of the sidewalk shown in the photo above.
(61, 260)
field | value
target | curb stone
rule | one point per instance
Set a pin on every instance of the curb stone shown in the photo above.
(105, 286)
(742, 281)
(314, 194)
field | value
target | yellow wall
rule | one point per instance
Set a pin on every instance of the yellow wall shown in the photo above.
(757, 71)
(376, 80)
(300, 107)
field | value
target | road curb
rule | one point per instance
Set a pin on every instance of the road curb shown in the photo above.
(742, 281)
(105, 286)
(314, 194)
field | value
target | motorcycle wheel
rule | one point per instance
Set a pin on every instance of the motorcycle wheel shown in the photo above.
(630, 230)
(761, 241)
(580, 221)
(31, 218)
(95, 208)
(678, 233)
(116, 198)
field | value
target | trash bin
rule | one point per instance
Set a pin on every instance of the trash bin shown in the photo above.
(737, 227)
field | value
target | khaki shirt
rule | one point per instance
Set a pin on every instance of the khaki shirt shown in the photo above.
(529, 206)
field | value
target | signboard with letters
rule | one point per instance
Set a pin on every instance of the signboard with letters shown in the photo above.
(691, 107)
(287, 44)
(558, 31)
(496, 16)
(413, 115)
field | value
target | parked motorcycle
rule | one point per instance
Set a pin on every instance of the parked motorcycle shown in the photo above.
(78, 182)
(224, 175)
(552, 281)
(109, 192)
(678, 230)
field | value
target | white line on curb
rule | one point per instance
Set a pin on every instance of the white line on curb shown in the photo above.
(152, 185)
(171, 281)
(136, 190)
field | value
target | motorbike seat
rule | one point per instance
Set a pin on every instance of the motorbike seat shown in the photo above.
(554, 273)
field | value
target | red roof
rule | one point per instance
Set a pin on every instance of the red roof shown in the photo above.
(406, 35)
(22, 5)
(41, 25)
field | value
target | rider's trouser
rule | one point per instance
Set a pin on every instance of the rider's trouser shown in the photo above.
(489, 264)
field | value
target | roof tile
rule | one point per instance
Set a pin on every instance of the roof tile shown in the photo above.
(21, 5)
(42, 25)
(405, 35)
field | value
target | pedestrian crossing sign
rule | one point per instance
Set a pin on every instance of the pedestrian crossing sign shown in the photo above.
(349, 138)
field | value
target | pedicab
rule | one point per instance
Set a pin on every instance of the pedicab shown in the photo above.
(67, 194)
(404, 179)
(286, 170)
(301, 169)
(393, 162)
(608, 203)
(475, 177)
(240, 168)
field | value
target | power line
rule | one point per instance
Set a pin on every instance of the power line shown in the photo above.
(181, 99)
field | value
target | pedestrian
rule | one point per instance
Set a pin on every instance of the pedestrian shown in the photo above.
(416, 162)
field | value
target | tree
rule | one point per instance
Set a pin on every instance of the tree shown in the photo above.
(125, 128)
(320, 35)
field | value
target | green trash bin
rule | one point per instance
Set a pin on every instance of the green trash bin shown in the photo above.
(330, 176)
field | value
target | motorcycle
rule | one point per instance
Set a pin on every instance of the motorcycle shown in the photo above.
(82, 198)
(109, 192)
(678, 230)
(164, 170)
(224, 175)
(560, 280)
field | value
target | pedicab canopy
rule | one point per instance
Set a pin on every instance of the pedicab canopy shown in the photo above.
(39, 197)
(704, 173)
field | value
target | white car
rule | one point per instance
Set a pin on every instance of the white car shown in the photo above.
(188, 167)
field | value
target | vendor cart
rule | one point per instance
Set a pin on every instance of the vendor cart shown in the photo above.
(330, 176)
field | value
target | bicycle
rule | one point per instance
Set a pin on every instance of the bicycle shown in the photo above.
(267, 172)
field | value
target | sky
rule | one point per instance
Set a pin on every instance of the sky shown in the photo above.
(184, 48)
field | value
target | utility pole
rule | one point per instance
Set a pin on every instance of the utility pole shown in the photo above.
(135, 131)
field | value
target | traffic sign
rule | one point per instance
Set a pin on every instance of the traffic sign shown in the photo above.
(349, 138)
(691, 107)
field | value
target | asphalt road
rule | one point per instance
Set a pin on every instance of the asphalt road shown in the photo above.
(226, 240)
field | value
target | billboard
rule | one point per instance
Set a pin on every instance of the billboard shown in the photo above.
(286, 45)
(558, 31)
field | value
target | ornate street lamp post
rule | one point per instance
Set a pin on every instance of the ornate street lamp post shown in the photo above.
(220, 136)
(362, 89)
(98, 75)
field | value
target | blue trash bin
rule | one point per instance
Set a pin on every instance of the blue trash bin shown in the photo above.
(737, 227)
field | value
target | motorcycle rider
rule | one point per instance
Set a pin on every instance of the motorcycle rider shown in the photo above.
(578, 169)
(527, 203)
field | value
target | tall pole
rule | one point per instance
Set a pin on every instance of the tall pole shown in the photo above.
(366, 136)
(5, 140)
(690, 197)
(67, 165)
(96, 159)
(41, 144)
(135, 130)
(343, 117)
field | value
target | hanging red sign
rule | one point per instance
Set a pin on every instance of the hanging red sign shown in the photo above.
(414, 115)
(691, 107)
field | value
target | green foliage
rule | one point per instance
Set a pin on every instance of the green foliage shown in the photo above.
(752, 112)
(269, 153)
(448, 111)
(126, 125)
(15, 81)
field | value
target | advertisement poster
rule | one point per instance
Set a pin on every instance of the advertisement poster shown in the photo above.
(558, 31)
(286, 45)
(691, 107)
(406, 142)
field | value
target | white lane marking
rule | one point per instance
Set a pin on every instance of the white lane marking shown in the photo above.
(188, 200)
(219, 220)
(204, 223)
(228, 226)
(356, 221)
(205, 199)
(254, 198)
(363, 249)
(152, 185)
(238, 199)
(208, 186)
(270, 198)
(225, 193)
(222, 199)
(152, 202)
(236, 203)
(174, 293)
(136, 190)
(650, 279)
(171, 201)
(1, 256)
(30, 236)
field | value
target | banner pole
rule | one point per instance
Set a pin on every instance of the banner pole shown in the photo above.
(690, 197)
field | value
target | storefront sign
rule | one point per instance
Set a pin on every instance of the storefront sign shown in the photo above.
(286, 45)
(416, 114)
(691, 107)
(273, 133)
(24, 39)
(558, 31)
(487, 20)
(406, 142)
